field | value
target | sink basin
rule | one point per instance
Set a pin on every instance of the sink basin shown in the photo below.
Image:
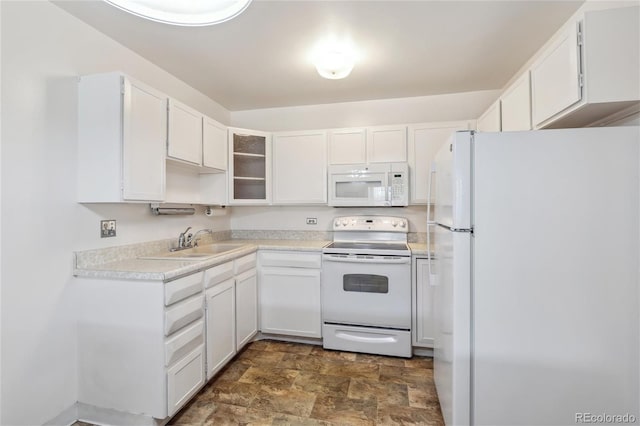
(210, 249)
(196, 253)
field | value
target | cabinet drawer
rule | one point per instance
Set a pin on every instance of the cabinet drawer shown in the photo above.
(245, 263)
(182, 314)
(184, 379)
(290, 259)
(184, 342)
(217, 274)
(180, 289)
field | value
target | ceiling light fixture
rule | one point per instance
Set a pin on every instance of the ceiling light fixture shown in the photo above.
(190, 13)
(334, 60)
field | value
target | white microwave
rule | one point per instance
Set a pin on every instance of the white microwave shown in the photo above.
(362, 185)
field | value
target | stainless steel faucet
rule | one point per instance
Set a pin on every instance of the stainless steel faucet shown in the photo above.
(194, 238)
(184, 239)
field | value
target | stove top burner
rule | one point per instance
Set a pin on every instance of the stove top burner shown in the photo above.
(369, 236)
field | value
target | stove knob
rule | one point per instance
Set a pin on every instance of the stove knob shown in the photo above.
(394, 223)
(337, 223)
(403, 224)
(345, 223)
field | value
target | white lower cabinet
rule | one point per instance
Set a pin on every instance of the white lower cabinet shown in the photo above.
(141, 345)
(290, 293)
(246, 307)
(231, 310)
(184, 379)
(423, 327)
(221, 325)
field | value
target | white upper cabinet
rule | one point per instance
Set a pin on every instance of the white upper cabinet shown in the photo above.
(515, 105)
(348, 146)
(589, 71)
(214, 144)
(381, 144)
(122, 132)
(249, 167)
(300, 167)
(556, 76)
(185, 133)
(387, 144)
(490, 120)
(424, 142)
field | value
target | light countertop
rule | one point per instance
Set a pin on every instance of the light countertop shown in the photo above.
(420, 249)
(137, 268)
(168, 269)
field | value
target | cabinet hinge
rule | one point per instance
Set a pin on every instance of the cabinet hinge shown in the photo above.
(579, 38)
(581, 80)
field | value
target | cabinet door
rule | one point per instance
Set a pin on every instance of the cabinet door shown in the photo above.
(424, 332)
(490, 120)
(184, 379)
(221, 325)
(515, 105)
(387, 144)
(290, 301)
(214, 144)
(185, 133)
(144, 136)
(555, 77)
(348, 146)
(300, 168)
(249, 167)
(424, 142)
(246, 307)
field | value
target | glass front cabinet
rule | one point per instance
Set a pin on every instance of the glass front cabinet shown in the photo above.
(249, 167)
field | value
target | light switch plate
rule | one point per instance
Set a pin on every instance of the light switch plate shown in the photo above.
(107, 228)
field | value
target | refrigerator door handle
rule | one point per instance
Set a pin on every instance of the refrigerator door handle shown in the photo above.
(429, 224)
(449, 228)
(433, 172)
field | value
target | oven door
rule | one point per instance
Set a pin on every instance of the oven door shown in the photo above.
(367, 290)
(359, 189)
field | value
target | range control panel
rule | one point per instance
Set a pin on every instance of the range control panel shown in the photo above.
(371, 223)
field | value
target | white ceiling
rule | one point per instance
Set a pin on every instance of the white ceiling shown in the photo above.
(408, 48)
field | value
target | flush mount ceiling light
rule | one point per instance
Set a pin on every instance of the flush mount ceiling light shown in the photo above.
(334, 60)
(190, 13)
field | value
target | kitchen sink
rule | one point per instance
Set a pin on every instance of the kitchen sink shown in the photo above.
(196, 253)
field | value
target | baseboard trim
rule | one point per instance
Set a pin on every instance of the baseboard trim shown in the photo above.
(66, 418)
(106, 416)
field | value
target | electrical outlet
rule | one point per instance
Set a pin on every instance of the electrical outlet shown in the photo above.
(312, 221)
(107, 228)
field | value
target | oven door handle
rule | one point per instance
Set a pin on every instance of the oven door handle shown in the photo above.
(378, 260)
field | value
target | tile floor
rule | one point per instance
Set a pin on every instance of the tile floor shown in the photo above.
(277, 383)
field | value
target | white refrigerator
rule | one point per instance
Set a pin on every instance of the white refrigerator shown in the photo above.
(536, 275)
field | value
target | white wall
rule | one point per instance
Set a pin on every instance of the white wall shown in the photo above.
(43, 50)
(420, 109)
